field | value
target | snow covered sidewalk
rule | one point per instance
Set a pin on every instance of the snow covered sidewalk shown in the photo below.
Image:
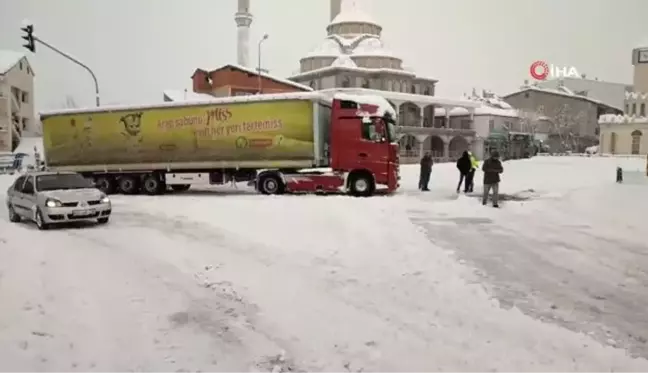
(239, 282)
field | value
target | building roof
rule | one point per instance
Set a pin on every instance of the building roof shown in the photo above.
(636, 96)
(346, 65)
(9, 59)
(401, 97)
(267, 76)
(561, 91)
(622, 119)
(482, 110)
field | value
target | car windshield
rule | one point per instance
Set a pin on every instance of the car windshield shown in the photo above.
(61, 181)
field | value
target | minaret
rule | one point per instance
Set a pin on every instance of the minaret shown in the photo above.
(336, 7)
(243, 19)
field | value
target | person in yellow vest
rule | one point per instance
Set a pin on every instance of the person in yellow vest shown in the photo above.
(470, 179)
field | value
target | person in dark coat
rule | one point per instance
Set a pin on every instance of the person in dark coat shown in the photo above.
(426, 171)
(492, 168)
(464, 165)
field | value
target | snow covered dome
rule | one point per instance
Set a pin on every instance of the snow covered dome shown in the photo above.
(353, 41)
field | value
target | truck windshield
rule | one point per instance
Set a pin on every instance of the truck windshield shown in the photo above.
(61, 181)
(391, 128)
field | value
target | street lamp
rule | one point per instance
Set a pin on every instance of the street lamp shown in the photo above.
(264, 38)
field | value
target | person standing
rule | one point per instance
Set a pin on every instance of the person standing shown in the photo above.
(464, 165)
(492, 168)
(471, 175)
(426, 171)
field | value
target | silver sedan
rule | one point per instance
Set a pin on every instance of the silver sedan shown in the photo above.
(49, 198)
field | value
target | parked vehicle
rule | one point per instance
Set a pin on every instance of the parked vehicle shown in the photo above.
(294, 142)
(49, 198)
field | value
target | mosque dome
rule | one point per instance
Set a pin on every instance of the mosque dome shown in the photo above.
(353, 41)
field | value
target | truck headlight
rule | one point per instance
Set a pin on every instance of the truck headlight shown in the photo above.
(105, 199)
(53, 203)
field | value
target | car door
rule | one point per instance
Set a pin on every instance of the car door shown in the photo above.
(14, 195)
(28, 199)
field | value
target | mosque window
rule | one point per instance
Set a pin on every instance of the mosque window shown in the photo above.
(312, 84)
(365, 83)
(396, 87)
(627, 109)
(346, 82)
(413, 89)
(634, 109)
(642, 110)
(636, 142)
(427, 91)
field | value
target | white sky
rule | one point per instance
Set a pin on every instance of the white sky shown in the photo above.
(138, 48)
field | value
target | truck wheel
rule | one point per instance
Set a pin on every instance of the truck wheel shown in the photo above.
(362, 185)
(271, 184)
(152, 185)
(128, 184)
(180, 187)
(105, 184)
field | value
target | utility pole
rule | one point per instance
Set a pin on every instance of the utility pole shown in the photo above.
(264, 38)
(31, 46)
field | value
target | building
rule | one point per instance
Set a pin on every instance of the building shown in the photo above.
(232, 80)
(16, 99)
(353, 56)
(610, 93)
(565, 119)
(627, 133)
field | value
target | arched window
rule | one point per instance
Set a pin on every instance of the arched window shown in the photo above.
(396, 86)
(613, 138)
(365, 83)
(642, 110)
(636, 142)
(346, 82)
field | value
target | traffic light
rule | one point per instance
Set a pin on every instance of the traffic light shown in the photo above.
(29, 38)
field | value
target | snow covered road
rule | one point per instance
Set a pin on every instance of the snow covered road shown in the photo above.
(209, 281)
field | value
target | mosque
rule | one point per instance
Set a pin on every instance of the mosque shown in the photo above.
(354, 57)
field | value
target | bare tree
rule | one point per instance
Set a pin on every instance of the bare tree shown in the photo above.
(567, 126)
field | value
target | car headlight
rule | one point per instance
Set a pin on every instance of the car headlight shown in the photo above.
(53, 203)
(105, 199)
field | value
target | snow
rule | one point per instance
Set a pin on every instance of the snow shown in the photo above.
(186, 95)
(272, 77)
(213, 280)
(383, 105)
(9, 59)
(636, 96)
(344, 61)
(400, 97)
(216, 100)
(563, 91)
(350, 13)
(363, 45)
(618, 119)
(482, 110)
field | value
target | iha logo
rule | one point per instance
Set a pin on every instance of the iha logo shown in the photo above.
(540, 70)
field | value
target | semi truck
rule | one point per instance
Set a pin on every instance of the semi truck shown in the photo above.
(280, 143)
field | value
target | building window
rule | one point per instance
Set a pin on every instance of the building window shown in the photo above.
(636, 141)
(24, 97)
(365, 83)
(346, 82)
(413, 89)
(613, 138)
(642, 110)
(627, 109)
(21, 65)
(24, 123)
(491, 125)
(526, 95)
(312, 84)
(427, 91)
(634, 109)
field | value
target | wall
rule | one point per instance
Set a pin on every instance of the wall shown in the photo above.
(20, 78)
(239, 79)
(580, 114)
(623, 133)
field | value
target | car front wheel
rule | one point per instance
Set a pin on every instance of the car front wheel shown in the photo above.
(13, 216)
(40, 222)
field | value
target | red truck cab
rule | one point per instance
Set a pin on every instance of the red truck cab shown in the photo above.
(362, 150)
